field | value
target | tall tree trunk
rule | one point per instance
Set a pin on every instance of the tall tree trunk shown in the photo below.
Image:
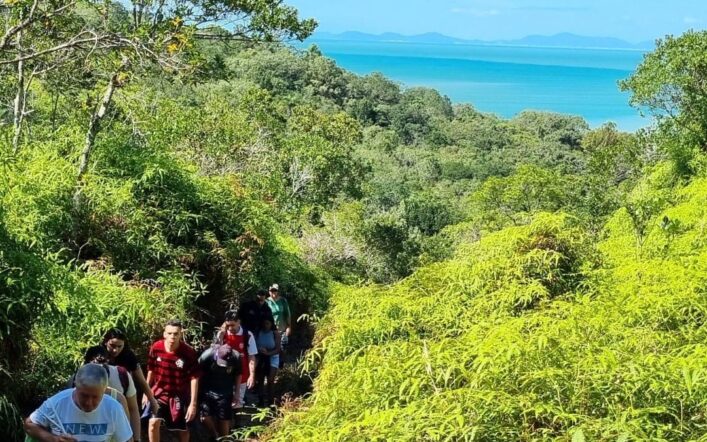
(94, 127)
(19, 108)
(95, 124)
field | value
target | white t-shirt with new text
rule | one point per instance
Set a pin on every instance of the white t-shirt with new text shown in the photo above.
(107, 423)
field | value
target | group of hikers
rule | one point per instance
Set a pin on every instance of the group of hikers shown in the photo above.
(181, 385)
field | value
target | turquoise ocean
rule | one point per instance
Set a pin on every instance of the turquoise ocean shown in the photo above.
(505, 79)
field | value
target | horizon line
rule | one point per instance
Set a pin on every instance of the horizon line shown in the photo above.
(500, 40)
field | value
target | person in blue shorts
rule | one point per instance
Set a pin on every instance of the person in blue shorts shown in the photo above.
(268, 343)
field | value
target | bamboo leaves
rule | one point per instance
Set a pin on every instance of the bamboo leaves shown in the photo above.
(528, 334)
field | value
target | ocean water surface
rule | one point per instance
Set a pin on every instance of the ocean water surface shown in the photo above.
(505, 79)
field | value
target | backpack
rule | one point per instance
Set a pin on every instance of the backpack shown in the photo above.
(220, 338)
(246, 339)
(123, 375)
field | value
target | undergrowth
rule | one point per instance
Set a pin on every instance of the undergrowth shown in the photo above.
(532, 333)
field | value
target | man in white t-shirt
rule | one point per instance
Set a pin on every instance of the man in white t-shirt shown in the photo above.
(243, 342)
(81, 414)
(119, 379)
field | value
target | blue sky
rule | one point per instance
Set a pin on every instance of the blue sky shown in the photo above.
(634, 20)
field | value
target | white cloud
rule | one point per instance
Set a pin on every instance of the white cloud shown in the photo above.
(553, 8)
(476, 12)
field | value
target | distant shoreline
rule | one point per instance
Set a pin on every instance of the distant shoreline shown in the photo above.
(490, 44)
(564, 40)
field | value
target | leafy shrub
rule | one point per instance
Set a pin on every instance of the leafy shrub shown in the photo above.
(527, 334)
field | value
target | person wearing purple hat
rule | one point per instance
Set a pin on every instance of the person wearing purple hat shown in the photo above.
(221, 368)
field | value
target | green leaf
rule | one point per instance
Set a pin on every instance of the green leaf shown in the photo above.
(578, 436)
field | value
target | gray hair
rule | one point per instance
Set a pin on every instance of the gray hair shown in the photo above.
(91, 375)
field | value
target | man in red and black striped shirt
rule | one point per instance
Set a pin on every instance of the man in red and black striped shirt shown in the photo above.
(173, 375)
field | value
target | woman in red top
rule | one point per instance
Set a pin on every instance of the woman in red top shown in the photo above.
(243, 341)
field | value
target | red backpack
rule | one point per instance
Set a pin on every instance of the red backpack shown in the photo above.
(124, 379)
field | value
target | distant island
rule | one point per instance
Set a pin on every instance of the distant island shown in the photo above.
(565, 39)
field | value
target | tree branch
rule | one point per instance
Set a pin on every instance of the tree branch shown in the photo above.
(112, 42)
(5, 40)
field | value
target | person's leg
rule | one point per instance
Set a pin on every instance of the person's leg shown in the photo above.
(206, 411)
(183, 436)
(224, 428)
(284, 341)
(210, 426)
(271, 385)
(241, 393)
(176, 423)
(260, 385)
(154, 430)
(237, 403)
(223, 414)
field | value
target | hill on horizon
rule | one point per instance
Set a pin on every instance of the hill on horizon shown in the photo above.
(565, 39)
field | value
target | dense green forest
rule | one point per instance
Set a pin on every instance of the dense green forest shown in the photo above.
(477, 278)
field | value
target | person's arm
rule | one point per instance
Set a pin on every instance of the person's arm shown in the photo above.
(251, 351)
(133, 409)
(288, 320)
(146, 383)
(192, 410)
(123, 402)
(149, 394)
(123, 430)
(277, 348)
(140, 380)
(41, 434)
(195, 373)
(251, 368)
(220, 336)
(237, 390)
(39, 425)
(134, 415)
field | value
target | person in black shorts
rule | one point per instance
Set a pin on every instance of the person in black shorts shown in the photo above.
(173, 375)
(220, 367)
